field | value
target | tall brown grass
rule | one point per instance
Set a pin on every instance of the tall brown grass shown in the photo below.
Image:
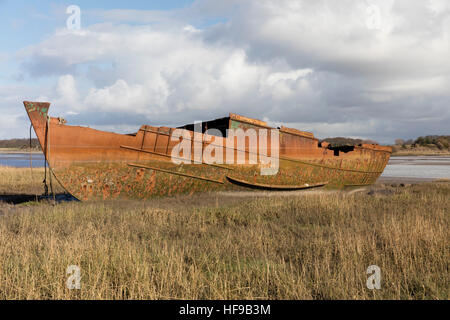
(308, 246)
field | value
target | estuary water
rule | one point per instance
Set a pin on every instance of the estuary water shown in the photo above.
(22, 160)
(415, 167)
(418, 167)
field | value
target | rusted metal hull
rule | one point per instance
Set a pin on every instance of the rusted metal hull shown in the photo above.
(93, 164)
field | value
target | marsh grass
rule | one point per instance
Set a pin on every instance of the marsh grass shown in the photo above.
(24, 181)
(308, 246)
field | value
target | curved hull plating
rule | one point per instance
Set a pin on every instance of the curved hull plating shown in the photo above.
(93, 164)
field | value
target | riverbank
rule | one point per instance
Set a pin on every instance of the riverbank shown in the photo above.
(20, 150)
(419, 151)
(308, 245)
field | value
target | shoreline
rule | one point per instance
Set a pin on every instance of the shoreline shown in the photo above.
(408, 180)
(419, 153)
(14, 151)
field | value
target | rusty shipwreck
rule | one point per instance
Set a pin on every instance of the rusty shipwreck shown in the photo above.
(93, 164)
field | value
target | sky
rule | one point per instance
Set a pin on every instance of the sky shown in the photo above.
(366, 69)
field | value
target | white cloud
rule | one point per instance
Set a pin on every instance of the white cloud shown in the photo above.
(119, 96)
(7, 124)
(14, 121)
(3, 57)
(165, 72)
(67, 91)
(294, 62)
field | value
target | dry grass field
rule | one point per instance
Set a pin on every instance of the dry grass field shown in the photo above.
(308, 245)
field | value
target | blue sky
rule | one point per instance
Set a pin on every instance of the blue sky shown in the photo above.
(23, 23)
(369, 69)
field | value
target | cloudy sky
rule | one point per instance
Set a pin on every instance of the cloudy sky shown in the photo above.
(356, 68)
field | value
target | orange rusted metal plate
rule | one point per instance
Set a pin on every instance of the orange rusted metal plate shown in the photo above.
(93, 164)
(297, 132)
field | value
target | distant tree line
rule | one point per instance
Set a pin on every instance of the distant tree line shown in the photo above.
(440, 142)
(20, 143)
(432, 141)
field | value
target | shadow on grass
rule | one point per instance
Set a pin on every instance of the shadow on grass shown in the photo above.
(23, 198)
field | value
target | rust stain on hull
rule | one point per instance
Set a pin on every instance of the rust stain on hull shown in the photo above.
(93, 164)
